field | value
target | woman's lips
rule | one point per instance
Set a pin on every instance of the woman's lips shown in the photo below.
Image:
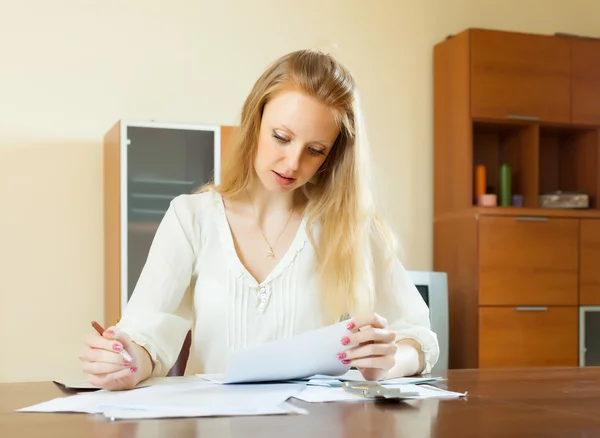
(283, 180)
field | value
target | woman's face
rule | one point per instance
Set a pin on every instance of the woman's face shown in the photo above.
(297, 133)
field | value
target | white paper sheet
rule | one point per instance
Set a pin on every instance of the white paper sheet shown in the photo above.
(321, 394)
(302, 356)
(84, 385)
(326, 380)
(356, 376)
(198, 398)
(284, 408)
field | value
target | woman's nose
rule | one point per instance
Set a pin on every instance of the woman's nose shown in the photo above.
(293, 158)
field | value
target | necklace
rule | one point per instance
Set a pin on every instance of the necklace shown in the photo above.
(270, 252)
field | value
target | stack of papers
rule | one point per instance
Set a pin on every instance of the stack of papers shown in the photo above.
(324, 388)
(197, 397)
(194, 399)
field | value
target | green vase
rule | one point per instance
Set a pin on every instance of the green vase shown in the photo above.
(504, 194)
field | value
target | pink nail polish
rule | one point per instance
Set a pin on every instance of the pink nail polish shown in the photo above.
(345, 340)
(126, 363)
(346, 362)
(110, 332)
(341, 355)
(350, 326)
(133, 369)
(117, 347)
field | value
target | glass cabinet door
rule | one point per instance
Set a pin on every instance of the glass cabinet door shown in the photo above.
(589, 334)
(162, 163)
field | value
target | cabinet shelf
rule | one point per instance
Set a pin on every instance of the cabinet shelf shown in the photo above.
(497, 143)
(543, 158)
(568, 158)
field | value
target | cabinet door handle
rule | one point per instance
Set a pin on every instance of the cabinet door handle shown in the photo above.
(531, 218)
(531, 309)
(520, 117)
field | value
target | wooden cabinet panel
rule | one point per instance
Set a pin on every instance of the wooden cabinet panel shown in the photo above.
(589, 256)
(528, 261)
(585, 74)
(520, 75)
(528, 337)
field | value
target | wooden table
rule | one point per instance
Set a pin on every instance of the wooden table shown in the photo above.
(500, 403)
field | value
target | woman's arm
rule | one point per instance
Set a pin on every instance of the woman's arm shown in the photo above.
(160, 311)
(400, 303)
(145, 366)
(409, 359)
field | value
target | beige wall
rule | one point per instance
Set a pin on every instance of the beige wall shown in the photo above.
(70, 69)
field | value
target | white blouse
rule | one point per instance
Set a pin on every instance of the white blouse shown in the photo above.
(193, 279)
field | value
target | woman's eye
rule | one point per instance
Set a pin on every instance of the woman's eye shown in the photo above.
(315, 152)
(280, 138)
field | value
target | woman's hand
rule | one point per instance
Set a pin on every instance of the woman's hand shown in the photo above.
(375, 351)
(106, 368)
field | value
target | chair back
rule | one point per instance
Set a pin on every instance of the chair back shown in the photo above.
(178, 368)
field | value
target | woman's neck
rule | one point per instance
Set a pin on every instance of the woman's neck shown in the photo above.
(265, 202)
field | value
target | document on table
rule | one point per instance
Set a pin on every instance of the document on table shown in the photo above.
(193, 399)
(336, 381)
(320, 394)
(356, 376)
(301, 356)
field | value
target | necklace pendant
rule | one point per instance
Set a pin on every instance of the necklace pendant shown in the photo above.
(270, 254)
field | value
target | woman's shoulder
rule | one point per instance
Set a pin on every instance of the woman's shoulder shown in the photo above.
(195, 208)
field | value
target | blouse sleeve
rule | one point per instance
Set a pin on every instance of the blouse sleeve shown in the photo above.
(160, 311)
(398, 300)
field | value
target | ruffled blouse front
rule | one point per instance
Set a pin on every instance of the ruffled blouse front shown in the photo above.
(194, 280)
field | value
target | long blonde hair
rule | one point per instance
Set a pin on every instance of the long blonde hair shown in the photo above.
(339, 198)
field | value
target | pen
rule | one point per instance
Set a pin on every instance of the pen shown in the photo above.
(123, 353)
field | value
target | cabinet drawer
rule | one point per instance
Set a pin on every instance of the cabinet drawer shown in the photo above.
(520, 75)
(589, 288)
(528, 261)
(528, 337)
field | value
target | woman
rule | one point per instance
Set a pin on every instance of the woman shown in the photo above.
(288, 242)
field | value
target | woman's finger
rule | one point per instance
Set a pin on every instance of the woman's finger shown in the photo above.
(98, 355)
(99, 368)
(123, 339)
(94, 340)
(375, 335)
(368, 350)
(379, 362)
(369, 319)
(119, 380)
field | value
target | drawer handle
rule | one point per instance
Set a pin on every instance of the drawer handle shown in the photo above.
(520, 117)
(531, 309)
(531, 218)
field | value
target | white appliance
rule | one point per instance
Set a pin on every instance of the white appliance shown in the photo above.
(433, 287)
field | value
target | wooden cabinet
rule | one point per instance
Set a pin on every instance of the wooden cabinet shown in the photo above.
(518, 275)
(589, 255)
(528, 336)
(585, 80)
(504, 65)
